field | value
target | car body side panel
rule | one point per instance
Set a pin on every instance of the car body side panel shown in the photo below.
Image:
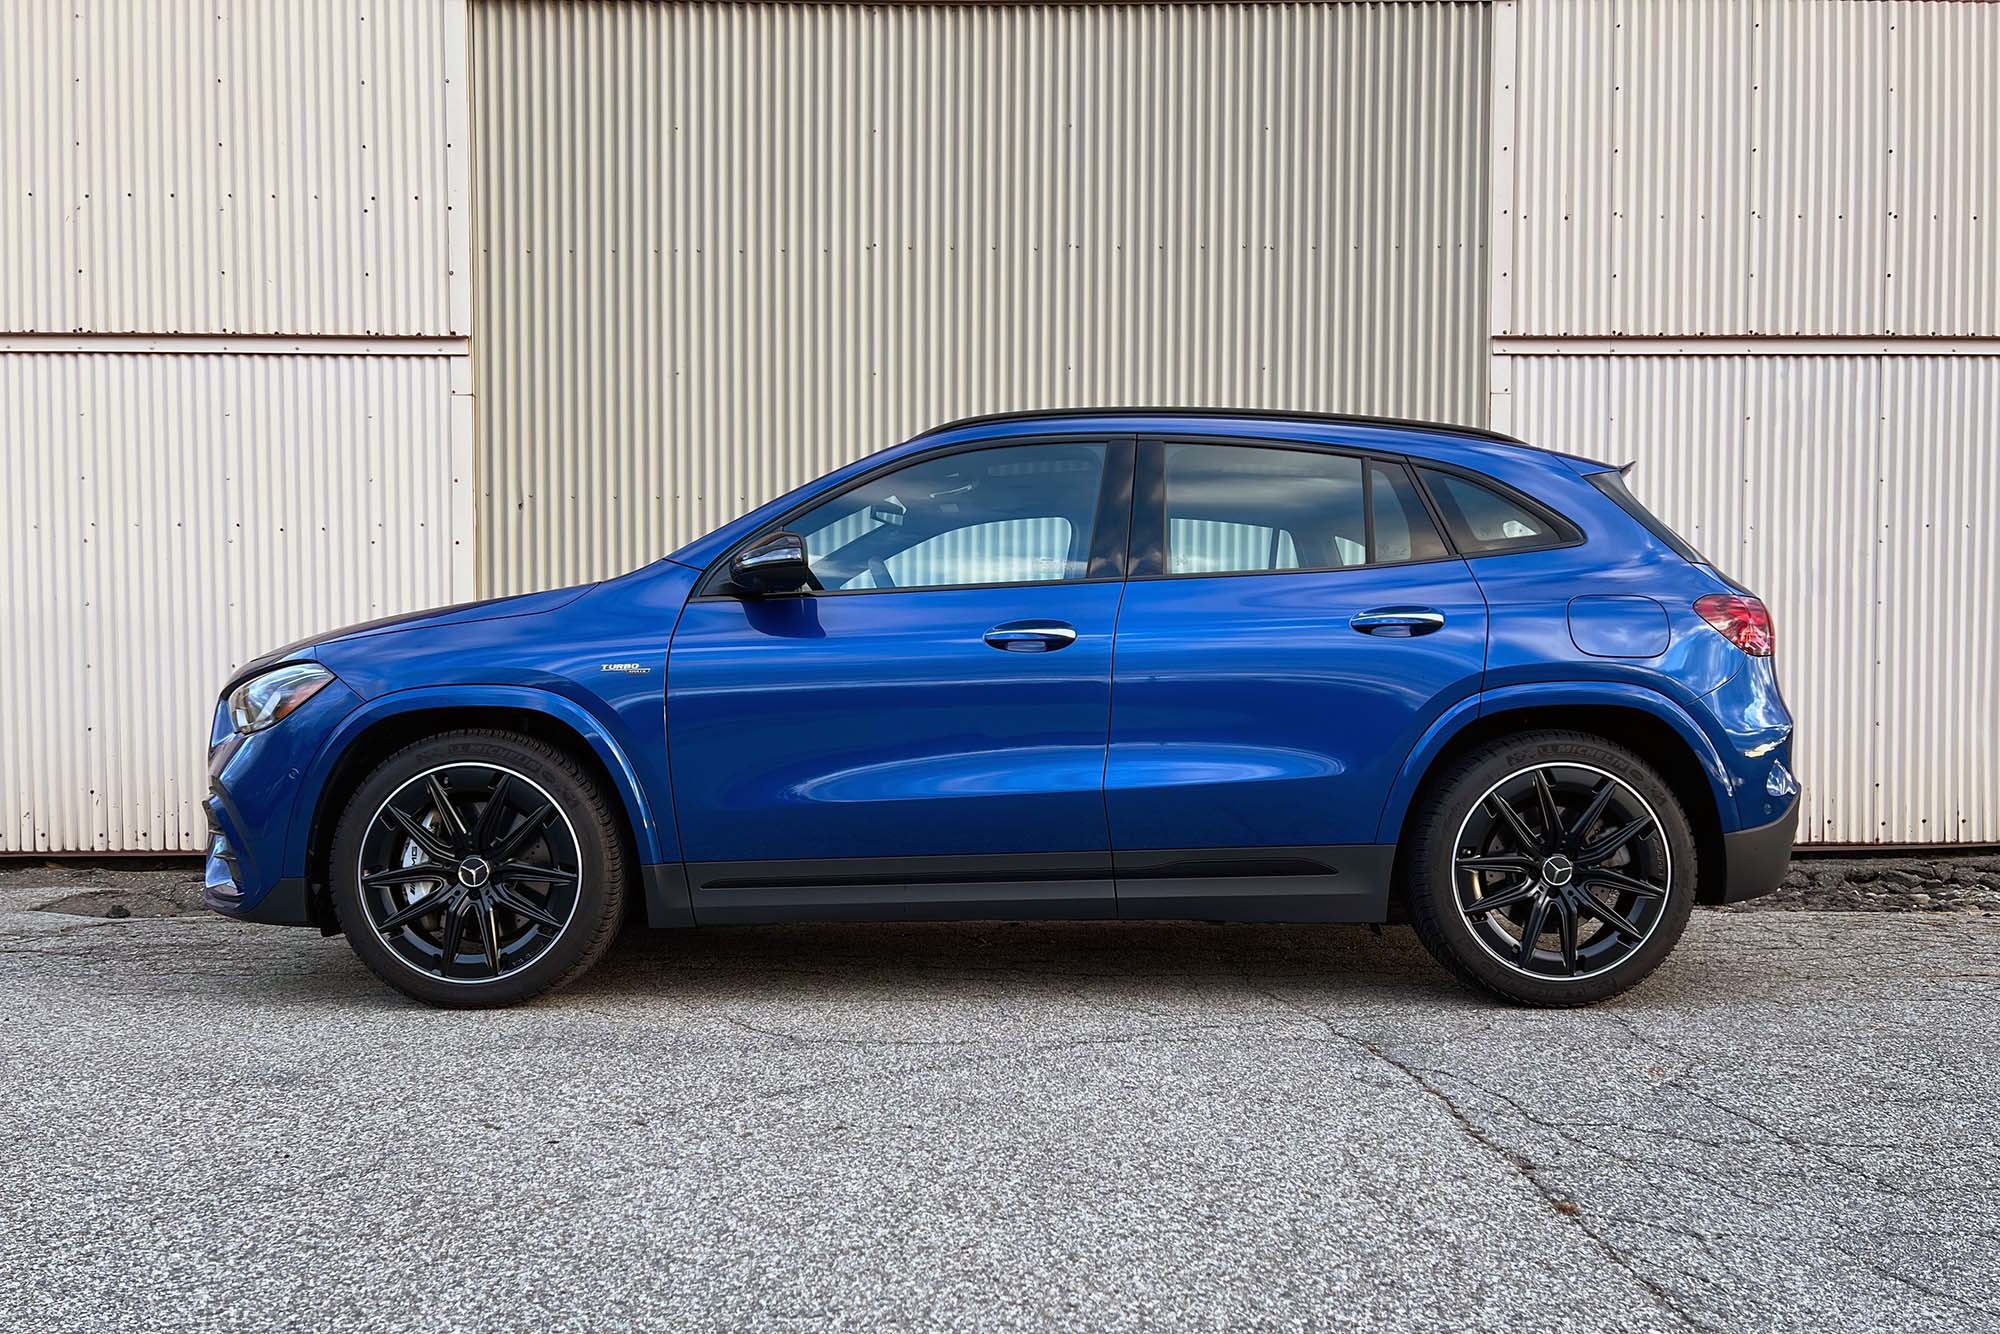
(1247, 712)
(870, 725)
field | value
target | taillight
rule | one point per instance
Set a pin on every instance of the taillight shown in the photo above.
(1742, 620)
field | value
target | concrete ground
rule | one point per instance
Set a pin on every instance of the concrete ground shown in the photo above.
(1793, 1126)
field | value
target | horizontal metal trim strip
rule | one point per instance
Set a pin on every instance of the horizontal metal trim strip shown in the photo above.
(250, 345)
(1776, 345)
(889, 872)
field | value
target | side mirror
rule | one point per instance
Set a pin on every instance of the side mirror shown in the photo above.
(773, 564)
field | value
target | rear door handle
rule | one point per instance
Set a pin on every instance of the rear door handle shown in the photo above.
(1031, 636)
(1398, 622)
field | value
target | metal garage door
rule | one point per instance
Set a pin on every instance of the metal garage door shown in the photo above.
(722, 248)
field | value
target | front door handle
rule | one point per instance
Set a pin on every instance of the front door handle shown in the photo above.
(1398, 622)
(1031, 636)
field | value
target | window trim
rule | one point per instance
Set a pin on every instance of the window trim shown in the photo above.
(1569, 533)
(1109, 547)
(1149, 507)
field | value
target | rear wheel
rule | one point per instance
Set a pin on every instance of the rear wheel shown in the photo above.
(1551, 868)
(477, 869)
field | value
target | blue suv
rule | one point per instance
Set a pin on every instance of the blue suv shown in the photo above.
(1229, 666)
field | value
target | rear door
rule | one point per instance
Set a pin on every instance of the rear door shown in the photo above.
(925, 736)
(1293, 622)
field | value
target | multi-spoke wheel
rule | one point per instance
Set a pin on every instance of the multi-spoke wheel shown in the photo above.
(1554, 868)
(478, 868)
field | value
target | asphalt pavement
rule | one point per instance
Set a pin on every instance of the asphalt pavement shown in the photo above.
(1791, 1127)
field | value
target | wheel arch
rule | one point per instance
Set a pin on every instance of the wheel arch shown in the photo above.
(372, 735)
(1655, 729)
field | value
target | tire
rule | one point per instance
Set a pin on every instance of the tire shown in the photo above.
(1569, 877)
(514, 845)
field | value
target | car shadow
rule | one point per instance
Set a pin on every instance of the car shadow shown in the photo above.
(1139, 962)
(884, 960)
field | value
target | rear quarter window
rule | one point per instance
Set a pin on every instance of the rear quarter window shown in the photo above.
(1485, 520)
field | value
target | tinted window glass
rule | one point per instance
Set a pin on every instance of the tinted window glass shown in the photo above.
(1483, 521)
(1403, 527)
(1015, 514)
(1234, 509)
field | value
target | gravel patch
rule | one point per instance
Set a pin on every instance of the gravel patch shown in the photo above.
(1885, 884)
(93, 889)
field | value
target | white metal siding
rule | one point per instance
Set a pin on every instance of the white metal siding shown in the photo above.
(1722, 167)
(229, 166)
(723, 248)
(165, 518)
(1857, 495)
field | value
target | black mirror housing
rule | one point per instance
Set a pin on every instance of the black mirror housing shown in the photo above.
(775, 563)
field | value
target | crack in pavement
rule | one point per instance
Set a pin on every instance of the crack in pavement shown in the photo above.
(1519, 1164)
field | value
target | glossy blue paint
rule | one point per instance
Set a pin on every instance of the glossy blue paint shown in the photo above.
(1248, 712)
(1619, 625)
(876, 724)
(1191, 712)
(254, 786)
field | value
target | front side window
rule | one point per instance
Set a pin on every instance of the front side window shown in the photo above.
(1485, 522)
(1014, 514)
(1236, 509)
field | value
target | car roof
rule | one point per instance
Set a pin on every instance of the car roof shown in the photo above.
(1390, 433)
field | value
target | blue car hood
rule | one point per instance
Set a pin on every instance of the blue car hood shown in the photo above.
(490, 609)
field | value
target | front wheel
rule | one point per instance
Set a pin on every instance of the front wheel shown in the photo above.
(478, 868)
(1551, 868)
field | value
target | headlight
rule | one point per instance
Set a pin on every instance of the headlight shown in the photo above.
(263, 701)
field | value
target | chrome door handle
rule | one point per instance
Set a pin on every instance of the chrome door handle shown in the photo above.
(1031, 636)
(1398, 622)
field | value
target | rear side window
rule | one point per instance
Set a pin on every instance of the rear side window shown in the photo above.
(1243, 509)
(1485, 522)
(1613, 485)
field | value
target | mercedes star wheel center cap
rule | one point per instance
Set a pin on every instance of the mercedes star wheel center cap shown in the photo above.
(1557, 871)
(473, 872)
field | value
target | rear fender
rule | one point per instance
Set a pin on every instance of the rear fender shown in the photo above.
(1553, 694)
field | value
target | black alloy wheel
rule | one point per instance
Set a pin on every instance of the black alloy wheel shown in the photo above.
(479, 868)
(469, 872)
(1561, 870)
(1549, 868)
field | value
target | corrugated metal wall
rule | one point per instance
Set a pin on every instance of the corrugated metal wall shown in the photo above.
(1857, 495)
(722, 248)
(1755, 167)
(164, 518)
(1699, 207)
(179, 489)
(226, 166)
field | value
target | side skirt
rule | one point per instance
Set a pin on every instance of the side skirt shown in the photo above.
(1321, 884)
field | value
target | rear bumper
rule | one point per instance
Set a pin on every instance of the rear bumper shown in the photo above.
(1754, 860)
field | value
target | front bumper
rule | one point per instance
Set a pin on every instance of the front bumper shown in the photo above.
(1754, 860)
(253, 789)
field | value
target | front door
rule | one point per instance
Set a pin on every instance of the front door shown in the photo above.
(926, 734)
(1293, 624)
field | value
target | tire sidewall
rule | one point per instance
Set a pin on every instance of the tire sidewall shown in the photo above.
(1433, 895)
(597, 851)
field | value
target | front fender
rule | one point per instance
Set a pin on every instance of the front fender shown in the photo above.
(595, 731)
(1553, 694)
